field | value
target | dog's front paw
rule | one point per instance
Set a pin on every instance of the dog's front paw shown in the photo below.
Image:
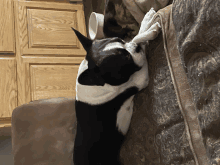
(147, 21)
(150, 34)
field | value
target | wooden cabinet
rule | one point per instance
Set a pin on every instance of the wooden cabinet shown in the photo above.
(8, 75)
(44, 52)
(7, 35)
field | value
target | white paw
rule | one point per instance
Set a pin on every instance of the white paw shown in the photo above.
(147, 20)
(150, 34)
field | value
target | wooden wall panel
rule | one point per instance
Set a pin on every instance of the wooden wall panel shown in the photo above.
(49, 81)
(8, 86)
(6, 26)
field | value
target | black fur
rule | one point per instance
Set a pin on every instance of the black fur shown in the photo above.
(98, 142)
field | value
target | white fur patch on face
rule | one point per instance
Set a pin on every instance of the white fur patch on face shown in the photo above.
(113, 45)
(124, 116)
(139, 58)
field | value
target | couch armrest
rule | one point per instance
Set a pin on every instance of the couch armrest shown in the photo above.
(43, 132)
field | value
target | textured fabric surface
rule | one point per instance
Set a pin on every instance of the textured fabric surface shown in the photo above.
(118, 21)
(157, 133)
(183, 90)
(198, 38)
(123, 17)
(197, 34)
(145, 5)
(43, 132)
(138, 8)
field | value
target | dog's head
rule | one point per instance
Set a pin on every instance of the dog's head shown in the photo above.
(110, 60)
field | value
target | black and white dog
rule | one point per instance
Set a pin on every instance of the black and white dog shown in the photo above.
(112, 72)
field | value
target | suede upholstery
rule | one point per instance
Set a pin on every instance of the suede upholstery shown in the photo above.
(43, 132)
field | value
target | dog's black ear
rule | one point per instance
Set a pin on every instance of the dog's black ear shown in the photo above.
(86, 42)
(91, 63)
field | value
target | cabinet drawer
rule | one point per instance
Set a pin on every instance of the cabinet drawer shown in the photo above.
(46, 28)
(49, 81)
(7, 40)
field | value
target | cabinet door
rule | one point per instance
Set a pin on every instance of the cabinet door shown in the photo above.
(48, 51)
(6, 27)
(8, 87)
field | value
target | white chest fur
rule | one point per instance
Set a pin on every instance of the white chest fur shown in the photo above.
(124, 115)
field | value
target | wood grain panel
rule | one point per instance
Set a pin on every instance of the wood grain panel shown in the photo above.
(57, 60)
(50, 5)
(29, 59)
(47, 28)
(60, 1)
(8, 87)
(55, 25)
(6, 26)
(49, 81)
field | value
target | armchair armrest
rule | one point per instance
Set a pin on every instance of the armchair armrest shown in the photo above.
(43, 132)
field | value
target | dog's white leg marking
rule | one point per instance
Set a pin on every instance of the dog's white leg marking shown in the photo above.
(124, 115)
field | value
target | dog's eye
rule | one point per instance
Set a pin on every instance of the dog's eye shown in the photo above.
(138, 49)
